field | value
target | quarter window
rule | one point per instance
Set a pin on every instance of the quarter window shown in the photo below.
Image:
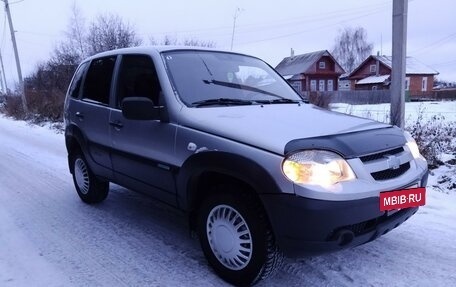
(75, 86)
(97, 85)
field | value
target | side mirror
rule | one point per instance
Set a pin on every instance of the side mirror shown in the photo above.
(140, 108)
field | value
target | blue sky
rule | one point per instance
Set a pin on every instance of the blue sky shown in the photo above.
(266, 30)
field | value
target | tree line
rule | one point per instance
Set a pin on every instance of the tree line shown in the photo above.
(46, 86)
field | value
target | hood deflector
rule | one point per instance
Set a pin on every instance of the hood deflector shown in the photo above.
(351, 145)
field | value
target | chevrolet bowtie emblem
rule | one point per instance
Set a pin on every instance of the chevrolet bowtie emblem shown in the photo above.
(393, 161)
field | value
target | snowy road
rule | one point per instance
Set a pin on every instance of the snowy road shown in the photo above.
(48, 237)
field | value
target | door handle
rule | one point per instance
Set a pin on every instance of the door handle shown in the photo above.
(79, 115)
(116, 124)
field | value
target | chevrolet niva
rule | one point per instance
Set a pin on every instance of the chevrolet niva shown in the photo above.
(224, 138)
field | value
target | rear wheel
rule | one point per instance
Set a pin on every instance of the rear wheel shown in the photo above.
(236, 238)
(89, 188)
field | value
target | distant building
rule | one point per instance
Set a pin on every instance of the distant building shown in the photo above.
(344, 82)
(374, 74)
(316, 71)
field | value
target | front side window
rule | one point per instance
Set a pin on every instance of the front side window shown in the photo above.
(137, 78)
(205, 76)
(97, 85)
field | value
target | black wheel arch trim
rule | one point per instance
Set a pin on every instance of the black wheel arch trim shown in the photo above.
(74, 135)
(228, 164)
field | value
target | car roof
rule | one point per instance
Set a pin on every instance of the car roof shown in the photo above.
(159, 49)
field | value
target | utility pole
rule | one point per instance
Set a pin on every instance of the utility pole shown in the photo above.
(16, 55)
(3, 79)
(236, 14)
(398, 68)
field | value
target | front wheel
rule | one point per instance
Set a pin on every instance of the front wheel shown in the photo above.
(89, 188)
(236, 238)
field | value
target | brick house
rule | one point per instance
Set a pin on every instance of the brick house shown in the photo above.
(316, 71)
(374, 74)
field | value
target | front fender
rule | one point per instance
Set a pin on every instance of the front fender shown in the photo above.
(232, 165)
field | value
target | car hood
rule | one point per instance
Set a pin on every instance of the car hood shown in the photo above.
(271, 127)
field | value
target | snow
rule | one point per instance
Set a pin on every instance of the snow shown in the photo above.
(412, 65)
(373, 80)
(48, 237)
(380, 112)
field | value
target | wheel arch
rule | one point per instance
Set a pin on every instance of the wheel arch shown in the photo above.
(204, 170)
(74, 142)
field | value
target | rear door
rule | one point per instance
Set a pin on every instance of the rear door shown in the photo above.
(141, 150)
(92, 113)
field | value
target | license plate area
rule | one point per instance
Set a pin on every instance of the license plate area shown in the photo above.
(394, 201)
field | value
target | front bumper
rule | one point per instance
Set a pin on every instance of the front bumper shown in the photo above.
(305, 226)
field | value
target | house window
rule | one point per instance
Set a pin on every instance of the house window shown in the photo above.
(313, 85)
(321, 85)
(330, 85)
(373, 68)
(374, 88)
(321, 65)
(424, 84)
(297, 86)
(407, 83)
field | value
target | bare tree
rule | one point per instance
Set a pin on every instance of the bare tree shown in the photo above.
(169, 40)
(110, 32)
(76, 31)
(351, 47)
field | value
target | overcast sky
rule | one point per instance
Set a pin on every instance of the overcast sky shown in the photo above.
(266, 30)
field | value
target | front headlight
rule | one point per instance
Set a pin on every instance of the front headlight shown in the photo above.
(317, 167)
(411, 143)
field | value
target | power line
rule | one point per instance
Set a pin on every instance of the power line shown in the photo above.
(433, 44)
(311, 29)
(331, 15)
(445, 63)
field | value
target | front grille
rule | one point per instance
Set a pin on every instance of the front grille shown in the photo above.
(380, 155)
(391, 173)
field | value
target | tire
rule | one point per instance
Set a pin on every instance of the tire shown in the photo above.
(89, 188)
(236, 238)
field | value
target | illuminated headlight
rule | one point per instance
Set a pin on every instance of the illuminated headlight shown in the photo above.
(317, 167)
(411, 143)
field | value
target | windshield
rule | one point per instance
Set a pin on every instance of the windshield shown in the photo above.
(204, 78)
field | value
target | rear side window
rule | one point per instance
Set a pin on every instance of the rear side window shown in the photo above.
(97, 85)
(75, 87)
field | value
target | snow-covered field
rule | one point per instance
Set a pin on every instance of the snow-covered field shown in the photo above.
(380, 112)
(48, 237)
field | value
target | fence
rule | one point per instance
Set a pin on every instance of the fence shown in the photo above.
(352, 97)
(375, 96)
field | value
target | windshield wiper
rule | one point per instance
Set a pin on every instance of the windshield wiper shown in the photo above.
(222, 102)
(278, 101)
(241, 87)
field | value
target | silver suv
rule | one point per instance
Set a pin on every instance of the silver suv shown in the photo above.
(225, 138)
